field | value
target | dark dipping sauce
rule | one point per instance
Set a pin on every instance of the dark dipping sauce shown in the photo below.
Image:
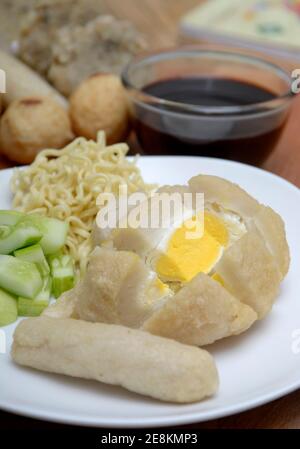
(246, 136)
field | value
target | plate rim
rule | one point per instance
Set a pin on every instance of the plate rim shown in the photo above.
(190, 418)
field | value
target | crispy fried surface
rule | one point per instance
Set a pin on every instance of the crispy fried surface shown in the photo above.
(100, 103)
(116, 289)
(250, 272)
(140, 362)
(201, 313)
(32, 124)
(202, 310)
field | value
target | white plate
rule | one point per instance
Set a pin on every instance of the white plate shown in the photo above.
(254, 368)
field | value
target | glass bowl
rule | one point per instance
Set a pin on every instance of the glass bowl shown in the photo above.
(193, 101)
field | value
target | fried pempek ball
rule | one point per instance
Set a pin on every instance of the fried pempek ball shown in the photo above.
(33, 124)
(100, 103)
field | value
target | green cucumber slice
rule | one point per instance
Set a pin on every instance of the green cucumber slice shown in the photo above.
(35, 255)
(10, 217)
(21, 235)
(19, 277)
(45, 293)
(8, 309)
(54, 232)
(5, 230)
(34, 307)
(62, 272)
(31, 307)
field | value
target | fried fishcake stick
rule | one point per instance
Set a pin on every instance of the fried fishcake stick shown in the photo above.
(154, 366)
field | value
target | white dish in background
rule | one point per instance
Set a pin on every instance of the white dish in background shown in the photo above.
(255, 368)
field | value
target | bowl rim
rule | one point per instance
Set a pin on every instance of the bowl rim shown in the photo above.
(185, 51)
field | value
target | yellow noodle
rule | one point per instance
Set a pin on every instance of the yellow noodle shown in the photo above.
(65, 184)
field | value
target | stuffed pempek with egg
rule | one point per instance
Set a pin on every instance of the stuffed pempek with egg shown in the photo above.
(194, 290)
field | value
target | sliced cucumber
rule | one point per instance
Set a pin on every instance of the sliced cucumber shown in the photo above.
(54, 232)
(62, 272)
(19, 277)
(8, 309)
(45, 293)
(5, 230)
(31, 307)
(35, 255)
(21, 235)
(10, 217)
(34, 307)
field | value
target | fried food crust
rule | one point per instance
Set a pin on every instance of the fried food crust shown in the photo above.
(140, 362)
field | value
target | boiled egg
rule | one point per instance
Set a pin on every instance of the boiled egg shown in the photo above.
(179, 258)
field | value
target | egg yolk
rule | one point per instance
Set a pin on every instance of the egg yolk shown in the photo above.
(161, 286)
(218, 278)
(187, 257)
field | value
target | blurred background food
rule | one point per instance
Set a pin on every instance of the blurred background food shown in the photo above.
(67, 41)
(22, 13)
(55, 41)
(22, 81)
(100, 103)
(104, 44)
(271, 26)
(54, 50)
(157, 20)
(32, 124)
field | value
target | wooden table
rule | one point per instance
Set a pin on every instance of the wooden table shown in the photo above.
(158, 20)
